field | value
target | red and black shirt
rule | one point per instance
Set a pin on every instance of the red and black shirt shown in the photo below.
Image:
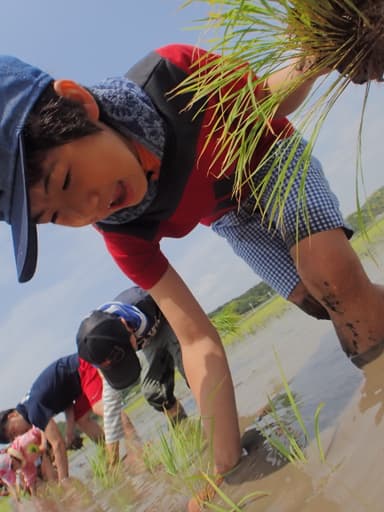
(189, 189)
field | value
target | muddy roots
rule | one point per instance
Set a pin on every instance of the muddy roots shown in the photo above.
(345, 34)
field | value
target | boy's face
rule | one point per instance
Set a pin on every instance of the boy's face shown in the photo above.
(88, 179)
(15, 425)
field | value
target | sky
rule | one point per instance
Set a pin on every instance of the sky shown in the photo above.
(88, 40)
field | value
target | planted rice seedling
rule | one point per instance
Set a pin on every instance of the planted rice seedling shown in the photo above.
(229, 505)
(104, 473)
(276, 425)
(183, 452)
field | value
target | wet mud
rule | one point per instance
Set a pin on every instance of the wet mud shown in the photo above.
(351, 425)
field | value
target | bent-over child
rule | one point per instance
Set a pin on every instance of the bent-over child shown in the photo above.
(134, 160)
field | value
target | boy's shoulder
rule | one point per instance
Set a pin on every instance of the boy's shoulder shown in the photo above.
(183, 56)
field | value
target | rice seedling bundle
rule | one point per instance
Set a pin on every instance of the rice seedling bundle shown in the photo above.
(319, 36)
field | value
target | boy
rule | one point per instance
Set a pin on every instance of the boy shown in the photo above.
(68, 385)
(127, 156)
(110, 336)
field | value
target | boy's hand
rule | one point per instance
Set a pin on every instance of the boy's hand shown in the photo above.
(208, 492)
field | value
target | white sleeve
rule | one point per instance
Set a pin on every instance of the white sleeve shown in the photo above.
(113, 405)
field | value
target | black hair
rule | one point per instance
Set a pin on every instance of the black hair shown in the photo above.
(3, 423)
(53, 121)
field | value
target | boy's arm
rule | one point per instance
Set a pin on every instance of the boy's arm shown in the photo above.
(69, 425)
(205, 365)
(56, 440)
(43, 442)
(113, 452)
(113, 426)
(283, 79)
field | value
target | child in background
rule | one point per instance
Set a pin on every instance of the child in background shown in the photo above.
(8, 473)
(27, 450)
(23, 457)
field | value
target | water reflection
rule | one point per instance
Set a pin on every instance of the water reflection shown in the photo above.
(372, 392)
(351, 425)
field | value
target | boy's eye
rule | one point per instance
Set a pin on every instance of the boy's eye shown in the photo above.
(67, 180)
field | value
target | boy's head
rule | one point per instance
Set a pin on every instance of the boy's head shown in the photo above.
(104, 341)
(24, 136)
(52, 169)
(12, 424)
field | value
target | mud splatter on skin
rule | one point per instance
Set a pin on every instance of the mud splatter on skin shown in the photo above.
(352, 347)
(355, 338)
(332, 302)
(352, 328)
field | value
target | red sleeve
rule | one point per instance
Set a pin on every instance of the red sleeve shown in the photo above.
(140, 260)
(185, 56)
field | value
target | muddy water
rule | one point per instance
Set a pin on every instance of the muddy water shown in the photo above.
(351, 425)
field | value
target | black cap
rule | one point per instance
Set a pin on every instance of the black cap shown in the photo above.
(3, 421)
(103, 337)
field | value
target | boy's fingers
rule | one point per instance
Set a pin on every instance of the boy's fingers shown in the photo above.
(206, 495)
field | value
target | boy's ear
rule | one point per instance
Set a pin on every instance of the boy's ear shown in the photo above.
(76, 92)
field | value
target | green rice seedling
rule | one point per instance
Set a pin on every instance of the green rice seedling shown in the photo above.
(317, 432)
(287, 442)
(104, 473)
(290, 396)
(227, 321)
(233, 507)
(183, 452)
(253, 39)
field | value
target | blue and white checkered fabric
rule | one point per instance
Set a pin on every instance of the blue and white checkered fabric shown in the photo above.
(264, 242)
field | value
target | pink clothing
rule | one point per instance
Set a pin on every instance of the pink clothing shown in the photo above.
(7, 475)
(26, 448)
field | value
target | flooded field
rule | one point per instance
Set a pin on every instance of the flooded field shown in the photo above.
(351, 431)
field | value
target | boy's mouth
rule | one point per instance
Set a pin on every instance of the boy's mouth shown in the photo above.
(119, 196)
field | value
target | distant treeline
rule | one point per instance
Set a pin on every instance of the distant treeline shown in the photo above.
(372, 208)
(248, 300)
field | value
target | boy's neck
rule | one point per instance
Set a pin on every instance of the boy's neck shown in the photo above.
(149, 161)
